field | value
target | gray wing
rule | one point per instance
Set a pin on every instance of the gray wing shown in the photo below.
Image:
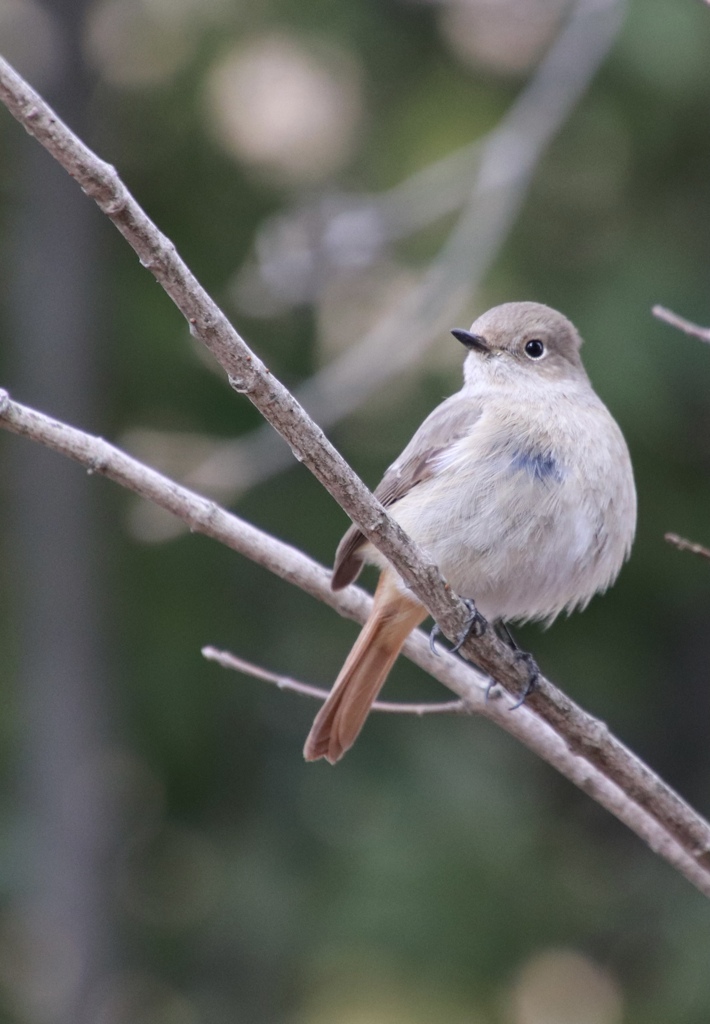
(448, 423)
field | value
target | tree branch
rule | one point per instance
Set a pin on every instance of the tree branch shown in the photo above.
(704, 334)
(248, 375)
(681, 323)
(228, 660)
(203, 516)
(491, 190)
(687, 545)
(583, 734)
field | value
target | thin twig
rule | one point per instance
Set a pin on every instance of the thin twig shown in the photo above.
(681, 323)
(228, 660)
(203, 516)
(687, 545)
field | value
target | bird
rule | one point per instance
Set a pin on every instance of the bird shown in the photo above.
(519, 487)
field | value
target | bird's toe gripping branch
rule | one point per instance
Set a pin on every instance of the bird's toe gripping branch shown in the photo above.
(532, 679)
(475, 625)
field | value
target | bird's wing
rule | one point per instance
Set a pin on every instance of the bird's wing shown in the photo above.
(448, 423)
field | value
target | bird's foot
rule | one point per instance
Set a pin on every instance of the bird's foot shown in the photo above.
(433, 636)
(490, 686)
(533, 671)
(475, 626)
(532, 679)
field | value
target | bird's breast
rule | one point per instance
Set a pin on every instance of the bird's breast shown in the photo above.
(531, 513)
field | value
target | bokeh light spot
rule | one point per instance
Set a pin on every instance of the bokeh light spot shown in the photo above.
(286, 108)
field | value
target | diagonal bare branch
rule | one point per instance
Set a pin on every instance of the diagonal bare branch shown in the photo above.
(491, 190)
(249, 376)
(584, 735)
(203, 516)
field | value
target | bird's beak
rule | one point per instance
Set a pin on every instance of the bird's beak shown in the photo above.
(471, 340)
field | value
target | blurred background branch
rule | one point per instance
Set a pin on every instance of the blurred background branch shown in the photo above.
(58, 907)
(302, 251)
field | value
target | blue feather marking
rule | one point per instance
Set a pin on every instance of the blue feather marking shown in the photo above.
(540, 466)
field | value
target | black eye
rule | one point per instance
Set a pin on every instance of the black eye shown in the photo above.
(534, 348)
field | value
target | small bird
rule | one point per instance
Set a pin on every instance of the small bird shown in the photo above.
(519, 487)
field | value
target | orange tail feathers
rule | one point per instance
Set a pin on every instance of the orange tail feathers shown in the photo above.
(393, 617)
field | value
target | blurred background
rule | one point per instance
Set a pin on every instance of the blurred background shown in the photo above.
(350, 179)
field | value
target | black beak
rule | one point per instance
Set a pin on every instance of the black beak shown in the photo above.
(471, 340)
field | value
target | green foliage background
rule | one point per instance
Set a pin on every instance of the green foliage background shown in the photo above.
(421, 878)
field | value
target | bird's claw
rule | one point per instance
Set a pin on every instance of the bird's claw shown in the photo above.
(531, 682)
(490, 686)
(435, 632)
(475, 626)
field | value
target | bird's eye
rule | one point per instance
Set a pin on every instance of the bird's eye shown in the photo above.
(534, 348)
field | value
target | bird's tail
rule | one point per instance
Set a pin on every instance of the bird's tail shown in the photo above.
(393, 617)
